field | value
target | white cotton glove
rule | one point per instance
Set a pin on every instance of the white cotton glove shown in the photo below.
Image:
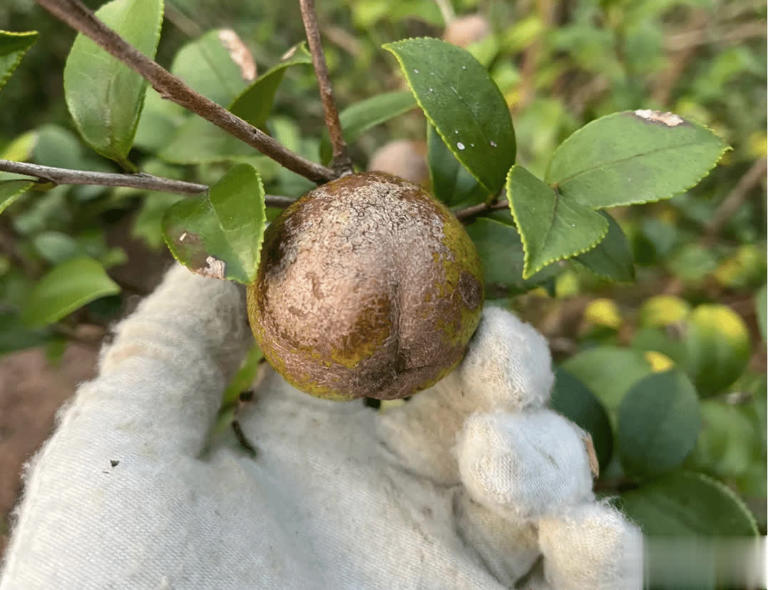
(465, 486)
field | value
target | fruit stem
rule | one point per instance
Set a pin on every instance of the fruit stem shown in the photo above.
(341, 163)
(75, 14)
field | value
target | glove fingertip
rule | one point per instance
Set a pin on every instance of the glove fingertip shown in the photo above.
(591, 546)
(523, 465)
(508, 365)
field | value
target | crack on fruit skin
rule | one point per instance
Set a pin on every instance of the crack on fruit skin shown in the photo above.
(387, 280)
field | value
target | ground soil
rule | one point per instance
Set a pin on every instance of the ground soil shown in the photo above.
(31, 391)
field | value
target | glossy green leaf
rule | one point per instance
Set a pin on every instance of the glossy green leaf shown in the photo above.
(659, 421)
(361, 116)
(687, 504)
(11, 190)
(198, 141)
(104, 96)
(451, 183)
(609, 372)
(255, 102)
(612, 257)
(217, 65)
(574, 400)
(633, 157)
(717, 347)
(68, 286)
(551, 226)
(13, 47)
(501, 253)
(463, 104)
(220, 235)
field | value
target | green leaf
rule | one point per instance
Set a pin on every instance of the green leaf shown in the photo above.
(463, 104)
(56, 247)
(612, 257)
(361, 116)
(717, 347)
(105, 96)
(451, 183)
(220, 235)
(659, 422)
(13, 47)
(11, 190)
(609, 372)
(68, 286)
(160, 120)
(148, 223)
(574, 400)
(728, 441)
(217, 65)
(633, 157)
(198, 141)
(688, 504)
(552, 227)
(501, 252)
(15, 335)
(255, 102)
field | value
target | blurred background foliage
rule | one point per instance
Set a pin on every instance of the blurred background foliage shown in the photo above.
(667, 372)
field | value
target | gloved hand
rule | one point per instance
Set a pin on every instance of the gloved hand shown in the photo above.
(465, 486)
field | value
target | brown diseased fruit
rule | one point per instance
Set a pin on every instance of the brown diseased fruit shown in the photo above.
(367, 287)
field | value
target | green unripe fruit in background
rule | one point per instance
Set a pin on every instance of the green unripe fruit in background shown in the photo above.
(367, 286)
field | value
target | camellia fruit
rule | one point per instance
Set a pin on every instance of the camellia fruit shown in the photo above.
(367, 287)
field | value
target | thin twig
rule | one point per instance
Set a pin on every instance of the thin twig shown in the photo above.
(139, 181)
(734, 200)
(341, 163)
(75, 14)
(446, 11)
(468, 213)
(66, 176)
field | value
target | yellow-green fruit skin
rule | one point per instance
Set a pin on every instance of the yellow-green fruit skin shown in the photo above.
(367, 287)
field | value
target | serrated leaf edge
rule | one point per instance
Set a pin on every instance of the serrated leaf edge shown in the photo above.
(388, 47)
(211, 210)
(528, 272)
(728, 492)
(22, 52)
(725, 149)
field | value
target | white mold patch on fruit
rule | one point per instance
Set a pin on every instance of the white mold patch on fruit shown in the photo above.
(668, 119)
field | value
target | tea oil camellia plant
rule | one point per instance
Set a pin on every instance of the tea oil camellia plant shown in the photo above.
(215, 162)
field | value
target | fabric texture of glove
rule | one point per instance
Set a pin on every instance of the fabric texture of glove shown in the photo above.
(465, 486)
